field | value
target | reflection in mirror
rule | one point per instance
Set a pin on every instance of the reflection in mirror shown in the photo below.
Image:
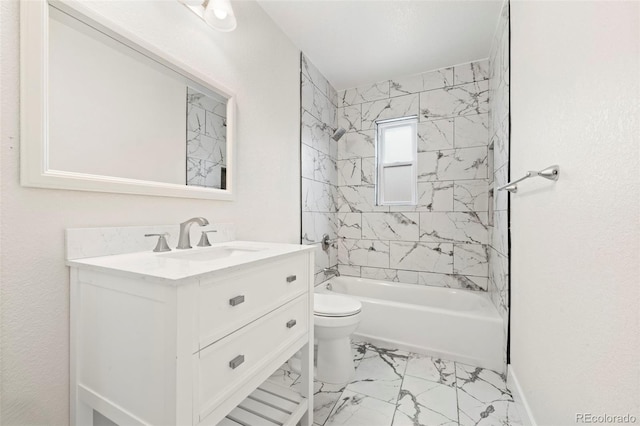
(116, 112)
(206, 140)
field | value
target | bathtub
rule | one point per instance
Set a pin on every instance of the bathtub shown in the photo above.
(458, 325)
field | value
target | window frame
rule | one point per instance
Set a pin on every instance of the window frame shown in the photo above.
(382, 125)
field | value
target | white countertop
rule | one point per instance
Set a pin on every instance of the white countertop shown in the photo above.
(176, 264)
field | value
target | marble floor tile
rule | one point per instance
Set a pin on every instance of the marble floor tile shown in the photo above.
(481, 382)
(284, 377)
(354, 409)
(325, 396)
(380, 374)
(483, 397)
(393, 387)
(490, 413)
(288, 366)
(358, 349)
(423, 402)
(430, 368)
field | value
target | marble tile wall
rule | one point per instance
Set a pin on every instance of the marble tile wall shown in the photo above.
(499, 130)
(319, 164)
(444, 240)
(206, 139)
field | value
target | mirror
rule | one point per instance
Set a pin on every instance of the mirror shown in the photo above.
(114, 114)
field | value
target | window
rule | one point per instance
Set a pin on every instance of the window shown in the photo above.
(397, 161)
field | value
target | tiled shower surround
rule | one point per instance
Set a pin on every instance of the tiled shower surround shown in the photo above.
(445, 239)
(442, 241)
(499, 131)
(206, 139)
(319, 174)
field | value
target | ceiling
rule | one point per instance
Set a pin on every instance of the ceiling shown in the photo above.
(365, 41)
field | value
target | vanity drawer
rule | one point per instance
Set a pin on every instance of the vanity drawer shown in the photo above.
(224, 366)
(231, 301)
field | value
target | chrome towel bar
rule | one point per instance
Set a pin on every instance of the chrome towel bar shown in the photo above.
(551, 173)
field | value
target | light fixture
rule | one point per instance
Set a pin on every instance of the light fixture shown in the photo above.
(217, 14)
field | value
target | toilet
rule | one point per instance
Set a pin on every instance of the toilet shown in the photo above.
(335, 317)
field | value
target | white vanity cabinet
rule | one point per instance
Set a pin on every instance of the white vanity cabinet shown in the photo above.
(164, 343)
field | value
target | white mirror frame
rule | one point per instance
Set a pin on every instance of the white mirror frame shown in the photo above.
(34, 115)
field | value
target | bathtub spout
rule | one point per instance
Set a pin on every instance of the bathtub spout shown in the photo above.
(331, 271)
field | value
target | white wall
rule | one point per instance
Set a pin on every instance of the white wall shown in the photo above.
(576, 243)
(260, 64)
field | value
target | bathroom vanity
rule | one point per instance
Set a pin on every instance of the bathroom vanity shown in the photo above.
(189, 337)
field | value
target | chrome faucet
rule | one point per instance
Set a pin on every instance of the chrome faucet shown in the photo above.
(331, 271)
(184, 242)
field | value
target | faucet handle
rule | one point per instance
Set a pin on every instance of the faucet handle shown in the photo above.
(162, 242)
(204, 240)
(326, 242)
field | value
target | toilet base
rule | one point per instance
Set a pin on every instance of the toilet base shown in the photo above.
(335, 361)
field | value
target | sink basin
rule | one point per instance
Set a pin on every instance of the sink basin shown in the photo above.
(208, 254)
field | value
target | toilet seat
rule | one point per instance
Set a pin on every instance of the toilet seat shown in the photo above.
(333, 305)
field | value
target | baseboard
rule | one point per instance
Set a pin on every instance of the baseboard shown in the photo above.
(518, 396)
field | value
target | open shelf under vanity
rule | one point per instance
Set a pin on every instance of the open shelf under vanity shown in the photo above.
(268, 405)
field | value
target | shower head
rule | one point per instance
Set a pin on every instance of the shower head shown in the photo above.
(338, 134)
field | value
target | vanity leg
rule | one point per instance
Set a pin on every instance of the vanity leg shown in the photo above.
(83, 415)
(307, 354)
(307, 382)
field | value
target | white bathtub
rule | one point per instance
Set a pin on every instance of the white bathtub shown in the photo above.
(459, 325)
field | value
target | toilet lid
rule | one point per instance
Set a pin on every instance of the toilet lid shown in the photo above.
(332, 305)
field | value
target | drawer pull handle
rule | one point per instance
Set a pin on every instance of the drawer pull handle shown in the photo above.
(291, 278)
(236, 300)
(291, 323)
(235, 363)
